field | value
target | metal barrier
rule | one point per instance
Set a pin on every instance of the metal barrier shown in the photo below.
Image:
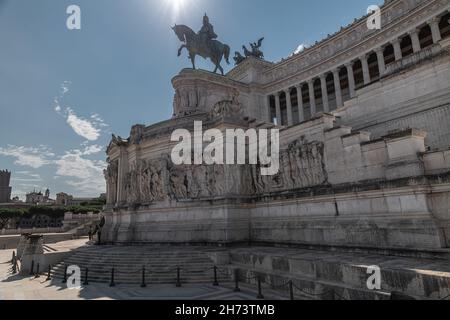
(86, 277)
(290, 286)
(49, 276)
(143, 284)
(112, 283)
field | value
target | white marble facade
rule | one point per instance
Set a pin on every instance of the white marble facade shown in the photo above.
(364, 119)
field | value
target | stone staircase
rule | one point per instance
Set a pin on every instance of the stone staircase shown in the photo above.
(160, 263)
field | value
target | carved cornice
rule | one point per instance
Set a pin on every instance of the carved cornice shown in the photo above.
(190, 76)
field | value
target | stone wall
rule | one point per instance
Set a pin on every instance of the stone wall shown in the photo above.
(335, 187)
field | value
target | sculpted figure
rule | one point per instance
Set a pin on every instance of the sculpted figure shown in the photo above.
(178, 184)
(220, 182)
(285, 168)
(145, 183)
(202, 44)
(207, 33)
(112, 173)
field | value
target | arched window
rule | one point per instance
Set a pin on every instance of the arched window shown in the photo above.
(374, 70)
(406, 46)
(318, 95)
(306, 101)
(294, 102)
(273, 109)
(358, 74)
(331, 92)
(444, 26)
(425, 37)
(343, 75)
(283, 107)
(389, 55)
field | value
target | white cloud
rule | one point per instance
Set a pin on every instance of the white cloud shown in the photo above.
(82, 127)
(300, 48)
(86, 128)
(28, 156)
(94, 149)
(87, 175)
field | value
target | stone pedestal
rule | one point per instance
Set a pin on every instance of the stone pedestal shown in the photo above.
(33, 254)
(403, 149)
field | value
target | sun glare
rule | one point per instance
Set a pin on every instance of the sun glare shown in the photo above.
(177, 5)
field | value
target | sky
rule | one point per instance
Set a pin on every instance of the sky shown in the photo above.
(64, 92)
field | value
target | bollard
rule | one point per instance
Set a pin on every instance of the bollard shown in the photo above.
(14, 268)
(86, 275)
(37, 272)
(112, 283)
(143, 284)
(49, 276)
(216, 283)
(260, 295)
(291, 290)
(13, 257)
(178, 285)
(65, 275)
(236, 281)
(32, 268)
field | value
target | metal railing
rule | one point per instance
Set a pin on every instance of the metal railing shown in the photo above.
(293, 289)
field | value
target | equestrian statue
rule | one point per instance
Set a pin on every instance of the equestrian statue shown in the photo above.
(203, 43)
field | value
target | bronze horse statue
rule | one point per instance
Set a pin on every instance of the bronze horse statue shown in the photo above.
(214, 50)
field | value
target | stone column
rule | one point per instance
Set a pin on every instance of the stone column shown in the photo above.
(278, 108)
(365, 69)
(123, 171)
(269, 111)
(312, 97)
(289, 107)
(381, 63)
(434, 25)
(351, 79)
(337, 88)
(323, 84)
(415, 40)
(301, 112)
(397, 49)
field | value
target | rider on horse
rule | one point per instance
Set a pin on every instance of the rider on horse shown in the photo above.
(207, 33)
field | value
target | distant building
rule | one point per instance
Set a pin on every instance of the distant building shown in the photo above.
(5, 189)
(39, 197)
(64, 199)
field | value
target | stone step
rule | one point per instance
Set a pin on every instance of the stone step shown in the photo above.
(160, 264)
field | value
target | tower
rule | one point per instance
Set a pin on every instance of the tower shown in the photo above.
(5, 189)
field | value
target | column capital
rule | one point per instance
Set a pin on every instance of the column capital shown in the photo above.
(287, 91)
(413, 32)
(299, 86)
(311, 81)
(379, 50)
(395, 41)
(336, 71)
(349, 64)
(434, 20)
(323, 76)
(363, 56)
